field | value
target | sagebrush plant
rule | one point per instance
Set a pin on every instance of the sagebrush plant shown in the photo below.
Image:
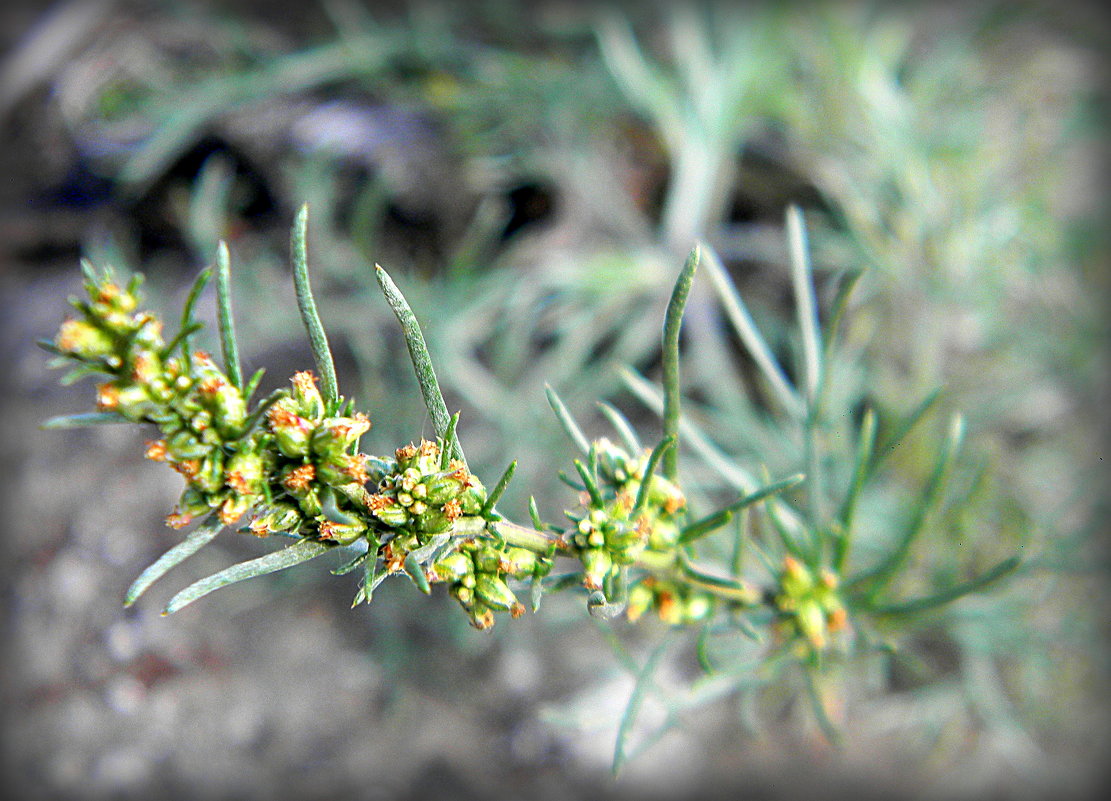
(290, 465)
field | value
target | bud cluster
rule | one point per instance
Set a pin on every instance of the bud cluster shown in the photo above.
(476, 575)
(611, 532)
(419, 495)
(315, 461)
(810, 607)
(201, 415)
(676, 603)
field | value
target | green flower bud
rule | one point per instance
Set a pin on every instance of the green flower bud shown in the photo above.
(389, 511)
(452, 566)
(292, 432)
(183, 445)
(210, 476)
(697, 607)
(334, 436)
(520, 561)
(84, 340)
(280, 517)
(473, 497)
(494, 592)
(641, 599)
(309, 401)
(597, 564)
(244, 472)
(441, 487)
(129, 400)
(342, 533)
(487, 559)
(812, 623)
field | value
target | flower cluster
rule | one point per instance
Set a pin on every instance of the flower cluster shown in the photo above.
(611, 531)
(201, 415)
(675, 603)
(476, 576)
(809, 605)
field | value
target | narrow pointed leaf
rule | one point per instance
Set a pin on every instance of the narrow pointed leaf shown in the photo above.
(588, 482)
(950, 594)
(188, 324)
(622, 427)
(882, 573)
(301, 551)
(499, 488)
(865, 448)
(673, 320)
(306, 304)
(83, 420)
(701, 528)
(449, 442)
(228, 345)
(806, 308)
(173, 557)
(418, 354)
(650, 470)
(414, 571)
(350, 565)
(640, 690)
(566, 420)
(750, 335)
(817, 704)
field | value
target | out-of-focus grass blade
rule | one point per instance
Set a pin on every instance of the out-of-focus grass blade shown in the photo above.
(570, 427)
(949, 594)
(83, 420)
(746, 329)
(228, 344)
(701, 528)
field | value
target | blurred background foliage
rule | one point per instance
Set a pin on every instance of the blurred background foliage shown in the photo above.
(533, 175)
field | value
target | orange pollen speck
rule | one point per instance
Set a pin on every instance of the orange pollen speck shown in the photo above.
(156, 450)
(211, 385)
(405, 453)
(327, 530)
(516, 610)
(356, 471)
(452, 509)
(429, 448)
(838, 619)
(665, 603)
(187, 467)
(791, 564)
(378, 502)
(394, 562)
(300, 478)
(239, 482)
(229, 512)
(304, 381)
(178, 519)
(674, 503)
(107, 397)
(259, 528)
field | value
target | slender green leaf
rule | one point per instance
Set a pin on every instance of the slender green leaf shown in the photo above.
(701, 528)
(750, 335)
(196, 540)
(735, 589)
(188, 324)
(806, 307)
(588, 482)
(896, 437)
(301, 551)
(422, 361)
(864, 450)
(640, 690)
(449, 442)
(83, 420)
(350, 565)
(950, 594)
(570, 427)
(415, 571)
(534, 513)
(499, 488)
(817, 705)
(228, 344)
(306, 304)
(673, 320)
(252, 383)
(624, 430)
(182, 338)
(881, 574)
(650, 470)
